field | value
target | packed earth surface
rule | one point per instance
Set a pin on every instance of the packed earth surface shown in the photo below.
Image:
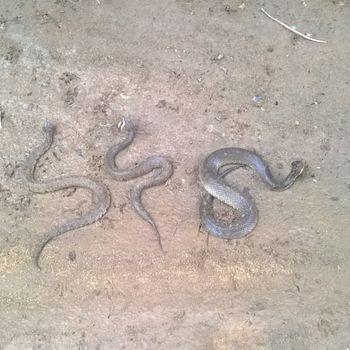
(194, 76)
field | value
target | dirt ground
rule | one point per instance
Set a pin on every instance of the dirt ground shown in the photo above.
(186, 71)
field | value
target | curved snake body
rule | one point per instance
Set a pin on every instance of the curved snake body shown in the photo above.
(212, 180)
(100, 192)
(160, 163)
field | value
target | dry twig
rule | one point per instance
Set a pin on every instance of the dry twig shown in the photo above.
(292, 29)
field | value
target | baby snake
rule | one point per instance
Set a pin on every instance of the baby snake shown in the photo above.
(162, 164)
(212, 179)
(100, 192)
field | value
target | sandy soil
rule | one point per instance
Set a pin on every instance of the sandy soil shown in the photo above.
(186, 71)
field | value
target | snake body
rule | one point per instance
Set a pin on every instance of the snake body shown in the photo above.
(213, 182)
(100, 192)
(164, 171)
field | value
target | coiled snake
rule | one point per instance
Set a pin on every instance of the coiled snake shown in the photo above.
(212, 180)
(100, 192)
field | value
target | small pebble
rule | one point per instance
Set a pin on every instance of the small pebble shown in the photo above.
(218, 57)
(28, 107)
(258, 100)
(210, 128)
(72, 255)
(124, 97)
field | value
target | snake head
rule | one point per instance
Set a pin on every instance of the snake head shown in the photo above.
(298, 166)
(121, 124)
(126, 123)
(47, 126)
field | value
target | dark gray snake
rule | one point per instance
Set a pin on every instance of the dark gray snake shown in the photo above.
(100, 192)
(163, 166)
(211, 176)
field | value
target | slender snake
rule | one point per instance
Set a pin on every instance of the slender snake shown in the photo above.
(100, 192)
(162, 165)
